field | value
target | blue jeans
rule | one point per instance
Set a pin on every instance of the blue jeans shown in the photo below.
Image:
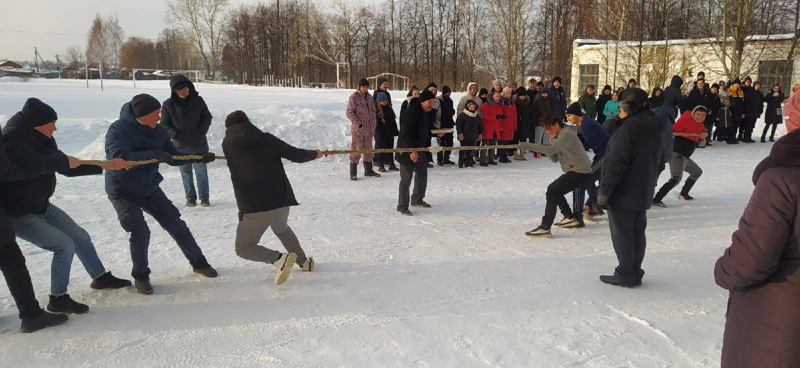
(57, 232)
(130, 212)
(201, 171)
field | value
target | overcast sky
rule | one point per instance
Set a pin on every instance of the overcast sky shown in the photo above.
(18, 18)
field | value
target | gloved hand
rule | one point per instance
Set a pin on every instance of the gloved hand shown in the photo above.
(499, 116)
(163, 157)
(602, 201)
(208, 157)
(503, 116)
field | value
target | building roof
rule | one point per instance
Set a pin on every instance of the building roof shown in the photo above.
(10, 65)
(592, 43)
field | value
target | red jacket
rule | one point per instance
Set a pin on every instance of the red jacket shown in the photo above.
(686, 124)
(508, 125)
(491, 125)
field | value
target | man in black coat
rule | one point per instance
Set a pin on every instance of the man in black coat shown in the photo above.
(558, 98)
(633, 161)
(12, 263)
(415, 131)
(446, 122)
(673, 97)
(754, 108)
(29, 142)
(699, 96)
(137, 136)
(263, 193)
(186, 117)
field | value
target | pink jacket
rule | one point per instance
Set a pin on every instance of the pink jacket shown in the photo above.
(361, 112)
(791, 110)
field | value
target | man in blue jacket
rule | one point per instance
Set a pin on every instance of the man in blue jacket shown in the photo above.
(136, 136)
(558, 98)
(595, 138)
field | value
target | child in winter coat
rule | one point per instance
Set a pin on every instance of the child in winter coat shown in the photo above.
(612, 106)
(469, 127)
(492, 119)
(385, 131)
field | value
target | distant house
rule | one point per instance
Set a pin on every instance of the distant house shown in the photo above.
(10, 65)
(12, 69)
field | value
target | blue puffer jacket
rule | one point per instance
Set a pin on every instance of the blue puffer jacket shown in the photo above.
(132, 141)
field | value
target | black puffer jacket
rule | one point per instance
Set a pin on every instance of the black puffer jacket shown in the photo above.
(254, 159)
(415, 131)
(673, 97)
(9, 171)
(186, 119)
(754, 103)
(34, 152)
(656, 101)
(633, 161)
(448, 112)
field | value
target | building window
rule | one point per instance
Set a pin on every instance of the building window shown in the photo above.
(588, 74)
(772, 72)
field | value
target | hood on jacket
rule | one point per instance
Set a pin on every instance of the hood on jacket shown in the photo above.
(676, 81)
(470, 85)
(656, 90)
(648, 120)
(243, 134)
(785, 153)
(175, 80)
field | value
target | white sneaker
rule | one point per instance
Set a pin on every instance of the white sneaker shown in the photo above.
(568, 222)
(308, 266)
(539, 232)
(284, 266)
(588, 217)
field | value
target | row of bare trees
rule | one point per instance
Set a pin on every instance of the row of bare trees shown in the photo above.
(446, 41)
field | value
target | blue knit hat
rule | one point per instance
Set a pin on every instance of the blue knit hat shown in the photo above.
(380, 97)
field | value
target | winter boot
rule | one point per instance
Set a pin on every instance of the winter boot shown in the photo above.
(143, 286)
(539, 232)
(284, 266)
(421, 204)
(191, 203)
(368, 172)
(392, 167)
(206, 271)
(687, 186)
(108, 281)
(353, 171)
(65, 304)
(664, 191)
(44, 320)
(588, 217)
(381, 168)
(763, 139)
(404, 212)
(596, 210)
(460, 164)
(205, 203)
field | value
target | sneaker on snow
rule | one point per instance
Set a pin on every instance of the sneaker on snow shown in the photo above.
(685, 197)
(588, 217)
(421, 204)
(539, 232)
(596, 210)
(659, 204)
(568, 222)
(143, 287)
(206, 271)
(44, 320)
(284, 266)
(308, 265)
(108, 281)
(404, 212)
(65, 304)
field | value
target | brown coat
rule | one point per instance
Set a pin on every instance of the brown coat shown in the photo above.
(761, 269)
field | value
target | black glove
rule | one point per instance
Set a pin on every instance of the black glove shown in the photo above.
(499, 116)
(503, 116)
(602, 201)
(163, 157)
(208, 157)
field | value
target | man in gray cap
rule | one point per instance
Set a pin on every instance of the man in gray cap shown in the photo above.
(136, 136)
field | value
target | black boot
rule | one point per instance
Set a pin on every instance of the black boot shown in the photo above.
(143, 286)
(353, 171)
(381, 168)
(663, 192)
(368, 172)
(108, 281)
(44, 320)
(392, 167)
(763, 139)
(65, 304)
(687, 186)
(460, 164)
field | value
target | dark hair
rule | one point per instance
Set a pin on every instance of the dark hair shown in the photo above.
(411, 91)
(236, 117)
(532, 80)
(589, 86)
(551, 119)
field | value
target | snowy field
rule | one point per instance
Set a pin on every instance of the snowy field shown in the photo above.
(458, 285)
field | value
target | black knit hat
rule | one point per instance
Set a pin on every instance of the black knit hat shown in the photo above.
(144, 104)
(540, 84)
(575, 109)
(38, 113)
(607, 88)
(432, 85)
(557, 79)
(235, 117)
(737, 81)
(426, 95)
(446, 90)
(715, 86)
(748, 79)
(521, 91)
(363, 82)
(483, 91)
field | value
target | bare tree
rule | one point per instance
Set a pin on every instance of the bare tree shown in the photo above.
(74, 56)
(104, 42)
(138, 52)
(201, 22)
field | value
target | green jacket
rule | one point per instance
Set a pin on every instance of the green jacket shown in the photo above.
(588, 104)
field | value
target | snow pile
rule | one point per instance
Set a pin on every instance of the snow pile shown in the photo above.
(12, 79)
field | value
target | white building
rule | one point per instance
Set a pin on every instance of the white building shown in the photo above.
(601, 62)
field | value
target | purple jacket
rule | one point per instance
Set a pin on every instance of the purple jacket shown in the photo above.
(361, 112)
(761, 269)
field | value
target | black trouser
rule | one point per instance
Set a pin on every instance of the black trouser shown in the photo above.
(131, 217)
(578, 196)
(465, 156)
(709, 124)
(12, 264)
(628, 235)
(565, 183)
(766, 127)
(747, 126)
(733, 128)
(419, 172)
(384, 158)
(444, 141)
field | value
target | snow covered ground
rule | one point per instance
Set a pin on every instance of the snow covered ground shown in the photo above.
(458, 285)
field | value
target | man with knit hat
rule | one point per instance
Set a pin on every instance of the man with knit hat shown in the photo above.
(186, 117)
(137, 136)
(29, 141)
(263, 193)
(361, 112)
(415, 132)
(558, 98)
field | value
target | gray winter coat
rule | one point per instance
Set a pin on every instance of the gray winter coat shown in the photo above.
(565, 149)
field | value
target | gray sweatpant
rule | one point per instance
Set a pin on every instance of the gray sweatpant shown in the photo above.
(253, 225)
(679, 164)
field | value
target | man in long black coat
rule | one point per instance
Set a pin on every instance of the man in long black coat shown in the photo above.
(415, 131)
(633, 161)
(186, 117)
(263, 193)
